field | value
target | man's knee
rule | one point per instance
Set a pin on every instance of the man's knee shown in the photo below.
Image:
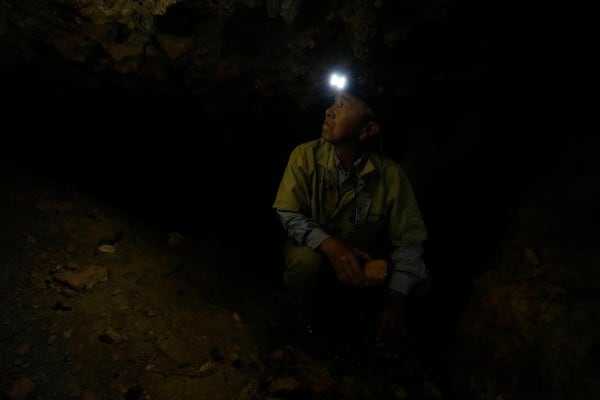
(302, 264)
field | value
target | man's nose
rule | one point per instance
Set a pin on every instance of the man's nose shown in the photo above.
(329, 113)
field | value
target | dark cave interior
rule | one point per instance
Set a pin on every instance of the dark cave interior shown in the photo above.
(493, 120)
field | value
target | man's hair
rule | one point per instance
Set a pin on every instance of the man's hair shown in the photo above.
(377, 104)
(369, 113)
(364, 86)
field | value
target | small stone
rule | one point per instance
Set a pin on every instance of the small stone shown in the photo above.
(21, 388)
(23, 348)
(284, 385)
(236, 317)
(107, 248)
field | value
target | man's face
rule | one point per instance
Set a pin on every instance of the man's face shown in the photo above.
(343, 120)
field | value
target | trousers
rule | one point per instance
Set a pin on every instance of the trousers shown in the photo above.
(319, 297)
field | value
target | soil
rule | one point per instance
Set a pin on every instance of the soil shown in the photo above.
(99, 305)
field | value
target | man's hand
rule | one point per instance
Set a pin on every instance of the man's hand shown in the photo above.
(345, 261)
(391, 325)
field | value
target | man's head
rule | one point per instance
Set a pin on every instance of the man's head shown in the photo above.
(351, 119)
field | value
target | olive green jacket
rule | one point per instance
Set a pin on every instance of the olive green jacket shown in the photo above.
(380, 209)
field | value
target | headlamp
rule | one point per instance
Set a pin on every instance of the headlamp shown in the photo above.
(348, 82)
(360, 85)
(338, 81)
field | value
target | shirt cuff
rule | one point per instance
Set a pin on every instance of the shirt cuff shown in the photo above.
(409, 268)
(402, 282)
(316, 237)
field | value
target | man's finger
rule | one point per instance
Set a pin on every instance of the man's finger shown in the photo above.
(358, 277)
(343, 276)
(362, 254)
(339, 271)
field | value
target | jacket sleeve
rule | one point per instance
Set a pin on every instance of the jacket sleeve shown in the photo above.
(293, 193)
(406, 225)
(407, 233)
(408, 268)
(292, 202)
(302, 229)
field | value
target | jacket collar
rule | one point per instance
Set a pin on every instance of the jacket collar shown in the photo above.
(329, 160)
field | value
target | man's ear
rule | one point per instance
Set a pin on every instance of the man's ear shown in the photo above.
(370, 129)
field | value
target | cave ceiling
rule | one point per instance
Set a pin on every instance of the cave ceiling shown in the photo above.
(247, 51)
(225, 50)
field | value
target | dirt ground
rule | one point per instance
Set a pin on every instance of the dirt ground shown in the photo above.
(98, 305)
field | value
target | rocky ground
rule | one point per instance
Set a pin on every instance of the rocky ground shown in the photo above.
(99, 305)
(102, 300)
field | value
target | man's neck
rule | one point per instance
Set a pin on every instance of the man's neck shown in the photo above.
(348, 156)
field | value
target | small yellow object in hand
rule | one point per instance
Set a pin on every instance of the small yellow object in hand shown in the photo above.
(375, 271)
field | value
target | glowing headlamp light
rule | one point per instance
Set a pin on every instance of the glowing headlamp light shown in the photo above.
(337, 81)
